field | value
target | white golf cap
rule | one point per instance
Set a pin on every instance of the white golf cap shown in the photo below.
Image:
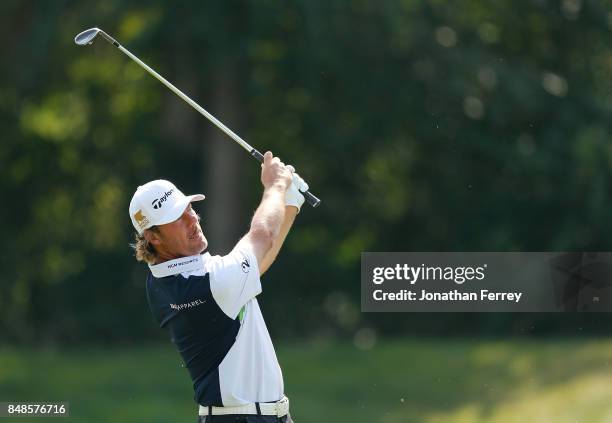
(157, 203)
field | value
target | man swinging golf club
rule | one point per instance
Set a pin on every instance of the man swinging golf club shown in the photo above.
(208, 304)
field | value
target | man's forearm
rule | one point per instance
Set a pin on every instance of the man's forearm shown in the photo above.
(267, 219)
(266, 223)
(290, 213)
(271, 211)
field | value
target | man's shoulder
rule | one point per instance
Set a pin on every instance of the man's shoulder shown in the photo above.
(170, 295)
(239, 259)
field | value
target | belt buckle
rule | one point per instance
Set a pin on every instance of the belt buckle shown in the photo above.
(282, 407)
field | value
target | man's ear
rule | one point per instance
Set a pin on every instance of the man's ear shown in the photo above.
(152, 237)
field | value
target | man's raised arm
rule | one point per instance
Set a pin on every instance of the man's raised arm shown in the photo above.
(270, 215)
(293, 201)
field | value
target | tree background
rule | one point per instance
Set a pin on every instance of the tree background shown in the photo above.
(423, 126)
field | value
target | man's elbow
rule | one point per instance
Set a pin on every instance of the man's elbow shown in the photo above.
(263, 237)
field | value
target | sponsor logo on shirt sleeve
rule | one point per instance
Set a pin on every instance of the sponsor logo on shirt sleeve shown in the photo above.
(245, 265)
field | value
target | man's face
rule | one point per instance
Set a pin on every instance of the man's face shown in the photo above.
(180, 238)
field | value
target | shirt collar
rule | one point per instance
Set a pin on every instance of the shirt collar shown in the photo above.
(179, 265)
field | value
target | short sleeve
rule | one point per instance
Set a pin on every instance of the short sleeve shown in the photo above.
(234, 280)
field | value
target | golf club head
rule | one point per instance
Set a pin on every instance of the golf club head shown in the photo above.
(86, 37)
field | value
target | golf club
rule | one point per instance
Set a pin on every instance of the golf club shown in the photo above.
(87, 37)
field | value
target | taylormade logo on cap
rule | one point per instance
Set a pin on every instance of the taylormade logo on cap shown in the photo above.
(157, 203)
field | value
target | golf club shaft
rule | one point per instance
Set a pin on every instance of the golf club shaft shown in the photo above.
(189, 101)
(309, 197)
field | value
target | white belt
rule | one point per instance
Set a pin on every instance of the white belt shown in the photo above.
(279, 409)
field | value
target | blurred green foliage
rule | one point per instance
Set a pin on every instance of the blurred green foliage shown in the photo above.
(405, 381)
(423, 126)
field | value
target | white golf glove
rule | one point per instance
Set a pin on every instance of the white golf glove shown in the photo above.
(293, 196)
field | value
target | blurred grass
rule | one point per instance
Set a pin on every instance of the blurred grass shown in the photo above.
(428, 381)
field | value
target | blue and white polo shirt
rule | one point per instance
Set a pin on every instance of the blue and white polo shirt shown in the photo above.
(208, 305)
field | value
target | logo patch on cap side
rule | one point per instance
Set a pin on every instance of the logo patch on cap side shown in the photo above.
(141, 219)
